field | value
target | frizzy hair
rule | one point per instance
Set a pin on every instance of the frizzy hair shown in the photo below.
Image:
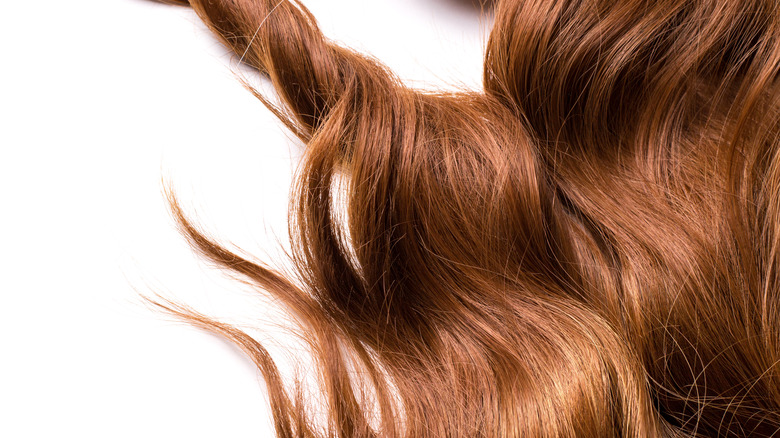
(589, 246)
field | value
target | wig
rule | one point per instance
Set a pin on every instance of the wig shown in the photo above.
(589, 246)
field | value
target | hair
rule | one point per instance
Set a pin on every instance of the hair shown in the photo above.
(589, 246)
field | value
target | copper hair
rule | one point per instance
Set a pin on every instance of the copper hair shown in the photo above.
(589, 246)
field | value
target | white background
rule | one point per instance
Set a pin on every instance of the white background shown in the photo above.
(100, 99)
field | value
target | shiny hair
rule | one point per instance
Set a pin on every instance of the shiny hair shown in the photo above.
(588, 246)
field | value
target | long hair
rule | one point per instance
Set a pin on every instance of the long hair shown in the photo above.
(588, 246)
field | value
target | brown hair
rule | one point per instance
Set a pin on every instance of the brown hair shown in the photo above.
(589, 246)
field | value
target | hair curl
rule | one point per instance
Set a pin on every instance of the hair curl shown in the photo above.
(589, 246)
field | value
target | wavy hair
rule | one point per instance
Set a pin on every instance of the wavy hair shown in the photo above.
(589, 246)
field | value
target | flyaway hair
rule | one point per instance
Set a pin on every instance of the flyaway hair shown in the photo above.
(587, 247)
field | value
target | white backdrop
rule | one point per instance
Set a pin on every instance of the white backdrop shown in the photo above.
(99, 99)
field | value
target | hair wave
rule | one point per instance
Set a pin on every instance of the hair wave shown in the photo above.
(589, 246)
